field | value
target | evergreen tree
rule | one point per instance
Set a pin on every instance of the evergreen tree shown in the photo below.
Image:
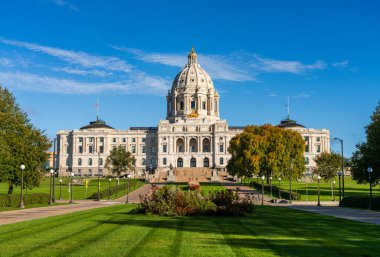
(368, 153)
(20, 143)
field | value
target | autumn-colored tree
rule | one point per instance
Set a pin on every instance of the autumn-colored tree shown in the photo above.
(120, 160)
(20, 143)
(266, 150)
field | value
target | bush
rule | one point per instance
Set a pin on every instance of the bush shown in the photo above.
(172, 201)
(285, 194)
(108, 193)
(360, 202)
(14, 200)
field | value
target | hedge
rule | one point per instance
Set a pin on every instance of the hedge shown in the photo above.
(109, 192)
(285, 194)
(14, 199)
(360, 202)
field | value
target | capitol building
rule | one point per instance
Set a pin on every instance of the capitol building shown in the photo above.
(191, 143)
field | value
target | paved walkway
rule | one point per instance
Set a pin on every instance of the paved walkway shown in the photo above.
(367, 216)
(246, 190)
(8, 217)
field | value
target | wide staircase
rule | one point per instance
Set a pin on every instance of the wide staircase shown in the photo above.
(192, 174)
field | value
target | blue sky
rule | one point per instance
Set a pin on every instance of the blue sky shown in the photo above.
(59, 56)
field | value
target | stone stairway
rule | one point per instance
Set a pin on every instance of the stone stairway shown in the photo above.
(193, 174)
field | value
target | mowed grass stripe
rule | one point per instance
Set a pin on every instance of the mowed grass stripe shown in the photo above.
(41, 225)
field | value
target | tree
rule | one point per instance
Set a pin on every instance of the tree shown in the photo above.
(120, 160)
(20, 143)
(266, 150)
(368, 153)
(328, 165)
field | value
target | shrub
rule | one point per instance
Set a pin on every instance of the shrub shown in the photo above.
(285, 194)
(194, 185)
(171, 201)
(360, 202)
(14, 199)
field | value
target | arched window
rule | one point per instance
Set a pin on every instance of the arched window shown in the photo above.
(101, 161)
(193, 145)
(206, 145)
(143, 161)
(180, 162)
(180, 145)
(206, 162)
(90, 162)
(193, 162)
(221, 161)
(80, 162)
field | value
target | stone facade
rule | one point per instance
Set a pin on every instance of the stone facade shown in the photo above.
(192, 135)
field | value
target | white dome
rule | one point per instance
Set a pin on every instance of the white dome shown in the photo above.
(192, 77)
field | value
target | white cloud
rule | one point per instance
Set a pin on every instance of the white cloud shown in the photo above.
(76, 57)
(279, 66)
(97, 73)
(342, 64)
(302, 95)
(33, 82)
(65, 3)
(6, 62)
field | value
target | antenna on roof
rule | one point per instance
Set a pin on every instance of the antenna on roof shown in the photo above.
(288, 105)
(97, 108)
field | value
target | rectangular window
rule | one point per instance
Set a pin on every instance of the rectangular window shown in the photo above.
(114, 140)
(318, 139)
(90, 149)
(79, 171)
(204, 105)
(164, 148)
(307, 148)
(221, 161)
(133, 149)
(143, 139)
(143, 149)
(100, 171)
(101, 149)
(221, 148)
(153, 149)
(164, 162)
(193, 148)
(318, 148)
(192, 104)
(181, 106)
(101, 139)
(124, 140)
(133, 140)
(81, 140)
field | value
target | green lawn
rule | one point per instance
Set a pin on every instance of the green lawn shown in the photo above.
(351, 189)
(110, 231)
(79, 191)
(206, 187)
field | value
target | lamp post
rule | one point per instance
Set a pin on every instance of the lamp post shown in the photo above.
(341, 146)
(270, 182)
(60, 189)
(262, 189)
(319, 193)
(124, 178)
(340, 193)
(279, 188)
(21, 204)
(370, 170)
(98, 175)
(117, 185)
(51, 186)
(290, 182)
(129, 180)
(71, 187)
(109, 188)
(333, 190)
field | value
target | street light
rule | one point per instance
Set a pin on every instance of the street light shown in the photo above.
(370, 187)
(98, 175)
(71, 186)
(124, 178)
(341, 146)
(109, 188)
(129, 180)
(270, 182)
(262, 189)
(21, 204)
(319, 193)
(340, 195)
(290, 181)
(50, 183)
(333, 190)
(117, 185)
(279, 188)
(60, 189)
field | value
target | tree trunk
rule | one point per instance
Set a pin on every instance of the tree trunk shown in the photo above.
(10, 189)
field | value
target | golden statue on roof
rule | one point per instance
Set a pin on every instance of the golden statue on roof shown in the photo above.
(193, 114)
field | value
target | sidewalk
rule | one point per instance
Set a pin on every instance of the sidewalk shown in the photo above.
(8, 217)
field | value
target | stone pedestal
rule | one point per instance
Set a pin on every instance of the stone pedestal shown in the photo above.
(214, 176)
(171, 177)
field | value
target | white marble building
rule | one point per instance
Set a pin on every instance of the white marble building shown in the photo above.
(192, 135)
